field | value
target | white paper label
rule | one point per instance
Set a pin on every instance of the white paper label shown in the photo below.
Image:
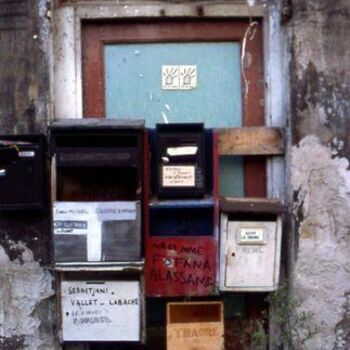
(85, 218)
(95, 211)
(251, 235)
(93, 311)
(182, 77)
(182, 151)
(178, 176)
(26, 154)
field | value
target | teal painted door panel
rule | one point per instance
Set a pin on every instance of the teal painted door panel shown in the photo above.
(133, 89)
(133, 77)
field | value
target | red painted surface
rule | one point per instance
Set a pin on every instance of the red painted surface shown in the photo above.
(181, 266)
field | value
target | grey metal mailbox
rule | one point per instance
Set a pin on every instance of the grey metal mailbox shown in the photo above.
(250, 248)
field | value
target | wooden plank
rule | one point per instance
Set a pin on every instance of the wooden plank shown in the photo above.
(236, 8)
(251, 205)
(251, 141)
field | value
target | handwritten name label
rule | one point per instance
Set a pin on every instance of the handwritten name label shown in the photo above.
(101, 311)
(178, 176)
(97, 211)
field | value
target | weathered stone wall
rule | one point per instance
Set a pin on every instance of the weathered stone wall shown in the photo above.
(26, 290)
(320, 176)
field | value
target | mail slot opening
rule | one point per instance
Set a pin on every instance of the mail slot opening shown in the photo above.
(251, 217)
(96, 183)
(186, 221)
(96, 140)
(195, 313)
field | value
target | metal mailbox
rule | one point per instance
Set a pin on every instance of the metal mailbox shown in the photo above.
(22, 171)
(181, 157)
(250, 247)
(182, 233)
(195, 326)
(97, 190)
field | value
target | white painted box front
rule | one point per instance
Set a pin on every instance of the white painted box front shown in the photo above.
(249, 255)
(101, 311)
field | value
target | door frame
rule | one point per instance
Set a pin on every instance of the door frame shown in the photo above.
(66, 73)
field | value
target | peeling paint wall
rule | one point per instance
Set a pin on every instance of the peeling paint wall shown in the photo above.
(26, 292)
(25, 301)
(320, 176)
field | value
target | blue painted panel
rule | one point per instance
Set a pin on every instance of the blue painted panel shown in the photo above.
(134, 88)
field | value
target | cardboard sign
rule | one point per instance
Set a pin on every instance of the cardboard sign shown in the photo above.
(100, 311)
(178, 176)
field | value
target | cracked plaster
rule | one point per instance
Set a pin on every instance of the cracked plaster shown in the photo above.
(321, 276)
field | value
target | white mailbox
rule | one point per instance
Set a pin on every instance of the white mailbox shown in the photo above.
(250, 251)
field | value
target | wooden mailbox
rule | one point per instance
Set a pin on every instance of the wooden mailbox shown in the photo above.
(182, 233)
(22, 172)
(97, 190)
(195, 326)
(250, 248)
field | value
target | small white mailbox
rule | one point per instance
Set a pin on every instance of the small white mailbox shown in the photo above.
(250, 249)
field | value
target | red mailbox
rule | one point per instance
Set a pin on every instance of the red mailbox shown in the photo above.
(182, 234)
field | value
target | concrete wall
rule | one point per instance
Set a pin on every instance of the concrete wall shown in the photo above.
(320, 177)
(26, 291)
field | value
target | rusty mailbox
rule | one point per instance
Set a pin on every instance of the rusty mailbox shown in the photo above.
(98, 187)
(250, 248)
(195, 325)
(22, 171)
(182, 233)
